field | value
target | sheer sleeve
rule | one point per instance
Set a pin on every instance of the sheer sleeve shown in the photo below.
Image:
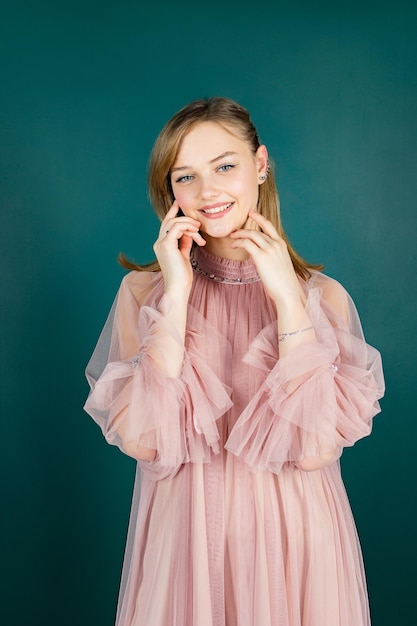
(316, 399)
(161, 421)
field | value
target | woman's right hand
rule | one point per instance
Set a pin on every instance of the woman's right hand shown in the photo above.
(172, 249)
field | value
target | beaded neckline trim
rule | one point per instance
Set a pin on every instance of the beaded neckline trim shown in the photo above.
(223, 279)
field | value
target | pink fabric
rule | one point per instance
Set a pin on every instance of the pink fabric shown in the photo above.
(230, 528)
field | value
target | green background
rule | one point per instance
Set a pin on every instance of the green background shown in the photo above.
(85, 88)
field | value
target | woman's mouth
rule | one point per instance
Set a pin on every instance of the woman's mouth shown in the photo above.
(216, 210)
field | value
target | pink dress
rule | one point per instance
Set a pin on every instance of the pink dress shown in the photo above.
(228, 528)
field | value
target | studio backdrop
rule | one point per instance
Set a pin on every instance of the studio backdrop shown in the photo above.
(86, 87)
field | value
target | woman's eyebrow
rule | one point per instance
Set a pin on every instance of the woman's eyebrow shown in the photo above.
(189, 167)
(222, 156)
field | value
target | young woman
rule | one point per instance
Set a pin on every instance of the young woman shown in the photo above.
(234, 373)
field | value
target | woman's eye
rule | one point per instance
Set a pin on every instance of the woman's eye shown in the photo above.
(226, 168)
(184, 179)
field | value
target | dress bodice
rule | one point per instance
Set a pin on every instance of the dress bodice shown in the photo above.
(224, 270)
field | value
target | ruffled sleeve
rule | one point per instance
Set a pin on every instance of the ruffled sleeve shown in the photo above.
(161, 421)
(316, 399)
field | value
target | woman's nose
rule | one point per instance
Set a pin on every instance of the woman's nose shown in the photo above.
(208, 188)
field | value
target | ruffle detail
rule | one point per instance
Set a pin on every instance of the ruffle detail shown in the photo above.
(139, 407)
(315, 400)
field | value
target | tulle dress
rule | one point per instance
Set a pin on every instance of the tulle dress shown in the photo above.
(242, 518)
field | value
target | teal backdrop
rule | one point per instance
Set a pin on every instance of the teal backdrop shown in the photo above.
(85, 88)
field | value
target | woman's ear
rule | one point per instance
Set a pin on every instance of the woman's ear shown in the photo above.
(262, 163)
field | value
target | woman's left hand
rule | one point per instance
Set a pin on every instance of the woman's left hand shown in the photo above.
(273, 262)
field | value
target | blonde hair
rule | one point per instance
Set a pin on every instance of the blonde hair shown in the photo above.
(235, 118)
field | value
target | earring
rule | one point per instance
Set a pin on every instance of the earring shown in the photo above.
(265, 176)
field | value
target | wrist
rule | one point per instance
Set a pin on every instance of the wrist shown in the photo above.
(290, 305)
(283, 336)
(174, 301)
(175, 311)
(290, 296)
(178, 293)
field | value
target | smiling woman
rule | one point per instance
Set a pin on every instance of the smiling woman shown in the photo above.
(235, 373)
(220, 186)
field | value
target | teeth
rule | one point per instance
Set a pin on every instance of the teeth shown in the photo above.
(218, 209)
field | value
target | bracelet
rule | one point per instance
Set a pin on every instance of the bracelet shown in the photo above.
(283, 336)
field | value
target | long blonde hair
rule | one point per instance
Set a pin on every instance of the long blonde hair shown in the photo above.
(232, 116)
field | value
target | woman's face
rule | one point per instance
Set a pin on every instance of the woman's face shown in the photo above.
(216, 178)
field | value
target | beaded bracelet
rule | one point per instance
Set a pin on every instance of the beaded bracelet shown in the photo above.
(284, 336)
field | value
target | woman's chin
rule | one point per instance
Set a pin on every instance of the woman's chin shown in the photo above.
(222, 230)
(218, 231)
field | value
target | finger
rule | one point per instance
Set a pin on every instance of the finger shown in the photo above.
(173, 211)
(186, 241)
(246, 244)
(182, 219)
(260, 239)
(185, 244)
(178, 226)
(176, 229)
(267, 227)
(195, 236)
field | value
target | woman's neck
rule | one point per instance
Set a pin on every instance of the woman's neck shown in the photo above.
(221, 247)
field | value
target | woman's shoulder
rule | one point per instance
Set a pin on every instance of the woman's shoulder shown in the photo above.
(139, 284)
(332, 292)
(330, 286)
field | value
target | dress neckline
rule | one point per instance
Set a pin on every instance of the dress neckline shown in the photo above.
(223, 270)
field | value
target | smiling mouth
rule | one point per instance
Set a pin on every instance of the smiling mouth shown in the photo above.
(217, 209)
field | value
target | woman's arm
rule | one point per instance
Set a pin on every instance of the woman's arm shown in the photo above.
(323, 391)
(160, 419)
